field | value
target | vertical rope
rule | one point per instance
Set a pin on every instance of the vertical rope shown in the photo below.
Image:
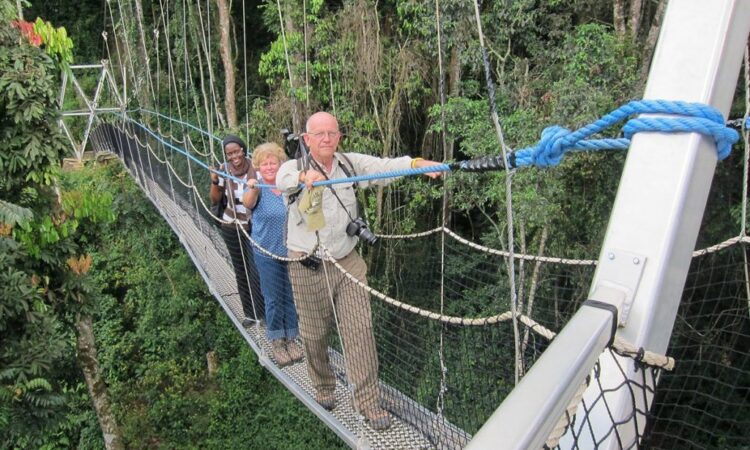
(244, 70)
(286, 57)
(745, 137)
(441, 89)
(745, 168)
(173, 89)
(185, 133)
(170, 71)
(307, 71)
(123, 69)
(123, 61)
(189, 82)
(330, 83)
(129, 58)
(206, 41)
(508, 192)
(158, 84)
(141, 33)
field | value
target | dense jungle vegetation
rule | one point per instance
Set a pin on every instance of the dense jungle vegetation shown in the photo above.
(105, 326)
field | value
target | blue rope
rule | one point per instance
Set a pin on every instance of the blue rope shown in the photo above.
(381, 175)
(172, 119)
(375, 176)
(697, 118)
(191, 157)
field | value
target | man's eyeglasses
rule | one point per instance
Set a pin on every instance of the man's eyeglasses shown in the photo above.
(322, 134)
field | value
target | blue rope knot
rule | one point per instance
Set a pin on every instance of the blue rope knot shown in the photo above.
(552, 146)
(692, 118)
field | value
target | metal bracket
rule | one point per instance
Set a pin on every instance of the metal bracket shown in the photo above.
(619, 274)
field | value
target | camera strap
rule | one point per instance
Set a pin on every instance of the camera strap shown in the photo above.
(333, 191)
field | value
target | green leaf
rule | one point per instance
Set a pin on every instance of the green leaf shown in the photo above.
(13, 214)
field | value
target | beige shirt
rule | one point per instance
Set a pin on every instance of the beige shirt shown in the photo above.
(333, 236)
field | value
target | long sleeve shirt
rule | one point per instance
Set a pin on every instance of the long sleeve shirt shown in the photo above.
(333, 236)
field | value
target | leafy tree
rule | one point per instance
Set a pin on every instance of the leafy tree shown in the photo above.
(43, 271)
(33, 340)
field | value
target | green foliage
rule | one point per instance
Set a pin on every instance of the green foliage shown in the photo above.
(12, 215)
(273, 67)
(33, 339)
(43, 273)
(8, 11)
(56, 41)
(32, 344)
(33, 145)
(82, 21)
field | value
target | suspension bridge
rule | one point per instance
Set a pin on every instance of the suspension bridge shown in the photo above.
(483, 346)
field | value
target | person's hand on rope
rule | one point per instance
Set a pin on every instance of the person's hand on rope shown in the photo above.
(418, 163)
(252, 183)
(214, 175)
(308, 177)
(250, 196)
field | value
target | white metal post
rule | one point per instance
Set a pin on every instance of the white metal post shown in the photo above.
(650, 238)
(665, 185)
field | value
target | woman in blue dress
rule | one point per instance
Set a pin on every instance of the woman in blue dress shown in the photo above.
(269, 223)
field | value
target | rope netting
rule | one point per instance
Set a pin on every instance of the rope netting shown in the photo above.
(442, 325)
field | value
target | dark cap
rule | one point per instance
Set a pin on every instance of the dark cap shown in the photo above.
(228, 139)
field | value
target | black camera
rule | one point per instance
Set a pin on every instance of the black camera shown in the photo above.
(294, 147)
(358, 227)
(312, 262)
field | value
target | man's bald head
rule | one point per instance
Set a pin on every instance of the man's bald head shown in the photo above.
(320, 118)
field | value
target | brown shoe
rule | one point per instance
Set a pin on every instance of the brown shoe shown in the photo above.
(326, 399)
(377, 418)
(294, 350)
(279, 353)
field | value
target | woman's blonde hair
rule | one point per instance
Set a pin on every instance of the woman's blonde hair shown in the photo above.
(263, 151)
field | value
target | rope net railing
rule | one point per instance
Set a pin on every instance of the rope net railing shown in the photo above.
(442, 354)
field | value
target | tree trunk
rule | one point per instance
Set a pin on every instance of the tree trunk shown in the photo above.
(212, 361)
(225, 49)
(636, 17)
(650, 44)
(618, 17)
(86, 347)
(454, 86)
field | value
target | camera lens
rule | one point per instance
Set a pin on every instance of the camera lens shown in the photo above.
(358, 228)
(367, 236)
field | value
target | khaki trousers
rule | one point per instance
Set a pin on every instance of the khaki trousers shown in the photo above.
(315, 298)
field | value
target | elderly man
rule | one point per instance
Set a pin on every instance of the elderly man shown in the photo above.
(315, 296)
